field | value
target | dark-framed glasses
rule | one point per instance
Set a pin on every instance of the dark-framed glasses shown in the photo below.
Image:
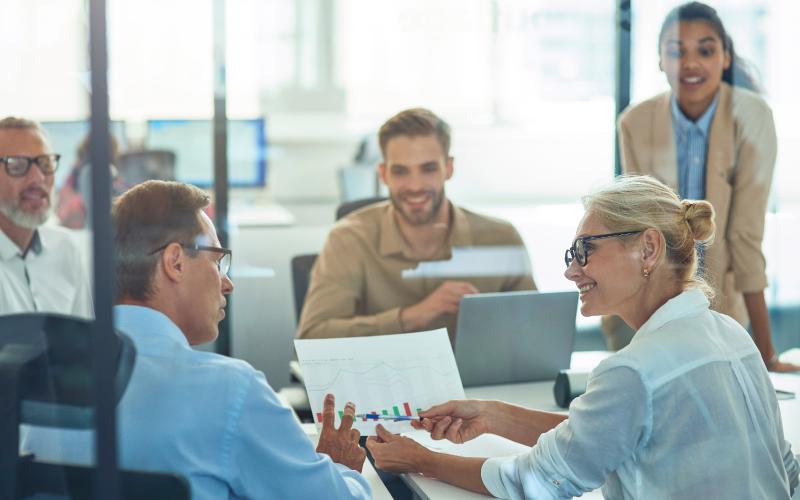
(578, 250)
(223, 263)
(18, 166)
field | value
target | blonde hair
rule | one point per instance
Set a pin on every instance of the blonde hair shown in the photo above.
(636, 202)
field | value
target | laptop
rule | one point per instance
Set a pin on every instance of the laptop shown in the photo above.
(510, 337)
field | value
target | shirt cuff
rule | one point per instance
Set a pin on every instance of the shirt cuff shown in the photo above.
(389, 322)
(490, 475)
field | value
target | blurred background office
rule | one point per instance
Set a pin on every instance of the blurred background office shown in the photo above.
(528, 87)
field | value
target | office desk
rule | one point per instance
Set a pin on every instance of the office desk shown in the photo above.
(539, 395)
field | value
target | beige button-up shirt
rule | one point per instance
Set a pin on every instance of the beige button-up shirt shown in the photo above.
(367, 272)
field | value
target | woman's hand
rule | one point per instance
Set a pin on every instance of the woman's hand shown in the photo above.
(779, 366)
(396, 453)
(456, 421)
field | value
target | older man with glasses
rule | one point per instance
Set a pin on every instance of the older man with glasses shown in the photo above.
(210, 418)
(41, 268)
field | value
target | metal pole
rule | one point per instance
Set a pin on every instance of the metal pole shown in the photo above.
(223, 344)
(622, 70)
(106, 480)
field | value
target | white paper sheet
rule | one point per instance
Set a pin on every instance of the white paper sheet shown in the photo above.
(396, 374)
(475, 261)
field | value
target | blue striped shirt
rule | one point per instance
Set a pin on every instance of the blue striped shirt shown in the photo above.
(691, 146)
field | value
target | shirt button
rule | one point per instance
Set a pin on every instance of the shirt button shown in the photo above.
(556, 482)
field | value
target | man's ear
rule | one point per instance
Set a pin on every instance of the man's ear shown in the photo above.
(173, 261)
(382, 172)
(448, 168)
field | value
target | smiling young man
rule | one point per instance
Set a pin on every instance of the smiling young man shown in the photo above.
(40, 266)
(360, 284)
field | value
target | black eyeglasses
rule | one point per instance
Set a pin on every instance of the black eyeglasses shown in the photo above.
(223, 264)
(18, 166)
(578, 249)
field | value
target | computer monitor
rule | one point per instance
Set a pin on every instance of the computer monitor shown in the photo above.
(65, 136)
(192, 143)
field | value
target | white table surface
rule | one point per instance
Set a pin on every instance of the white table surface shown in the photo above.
(539, 395)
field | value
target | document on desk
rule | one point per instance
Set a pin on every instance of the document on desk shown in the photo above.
(389, 375)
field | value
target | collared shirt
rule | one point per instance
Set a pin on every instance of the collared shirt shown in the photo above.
(48, 276)
(686, 410)
(210, 418)
(367, 271)
(691, 143)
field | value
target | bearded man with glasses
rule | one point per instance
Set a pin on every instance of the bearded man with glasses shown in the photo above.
(41, 268)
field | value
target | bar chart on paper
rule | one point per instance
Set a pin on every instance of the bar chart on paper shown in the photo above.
(390, 375)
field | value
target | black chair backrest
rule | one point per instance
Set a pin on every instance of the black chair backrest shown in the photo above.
(301, 278)
(46, 380)
(55, 386)
(350, 206)
(136, 167)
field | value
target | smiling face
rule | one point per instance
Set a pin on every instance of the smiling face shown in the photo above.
(693, 58)
(24, 201)
(610, 281)
(206, 288)
(415, 170)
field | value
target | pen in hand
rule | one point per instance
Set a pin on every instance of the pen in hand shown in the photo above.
(395, 418)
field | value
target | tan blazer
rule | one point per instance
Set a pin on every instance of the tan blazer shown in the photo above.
(740, 161)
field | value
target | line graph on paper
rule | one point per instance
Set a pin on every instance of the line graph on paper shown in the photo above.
(394, 375)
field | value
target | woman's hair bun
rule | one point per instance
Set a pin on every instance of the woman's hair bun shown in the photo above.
(699, 214)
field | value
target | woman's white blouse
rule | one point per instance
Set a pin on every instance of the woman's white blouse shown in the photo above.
(687, 410)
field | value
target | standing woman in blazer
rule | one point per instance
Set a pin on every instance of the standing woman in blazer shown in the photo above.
(712, 137)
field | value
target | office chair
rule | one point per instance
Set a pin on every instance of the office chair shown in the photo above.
(46, 380)
(136, 167)
(351, 206)
(301, 278)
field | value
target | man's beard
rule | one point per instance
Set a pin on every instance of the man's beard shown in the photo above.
(21, 218)
(419, 219)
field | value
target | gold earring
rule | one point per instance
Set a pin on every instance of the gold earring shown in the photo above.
(646, 273)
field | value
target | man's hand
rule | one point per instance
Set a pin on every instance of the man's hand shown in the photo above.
(443, 300)
(456, 421)
(340, 444)
(395, 453)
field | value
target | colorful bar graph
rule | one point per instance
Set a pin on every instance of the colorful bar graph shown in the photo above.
(395, 411)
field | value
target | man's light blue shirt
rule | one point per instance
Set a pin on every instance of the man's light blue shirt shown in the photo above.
(210, 418)
(691, 146)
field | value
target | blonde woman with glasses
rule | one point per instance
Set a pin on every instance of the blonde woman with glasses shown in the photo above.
(686, 410)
